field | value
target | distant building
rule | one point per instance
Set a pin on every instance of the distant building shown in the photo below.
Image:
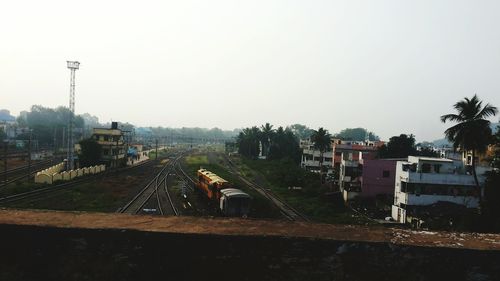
(311, 157)
(424, 181)
(112, 143)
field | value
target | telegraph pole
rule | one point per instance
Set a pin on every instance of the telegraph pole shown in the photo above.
(5, 147)
(73, 66)
(29, 155)
(156, 154)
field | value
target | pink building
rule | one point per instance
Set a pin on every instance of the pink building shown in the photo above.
(378, 177)
(367, 177)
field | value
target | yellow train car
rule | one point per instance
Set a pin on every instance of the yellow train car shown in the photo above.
(230, 201)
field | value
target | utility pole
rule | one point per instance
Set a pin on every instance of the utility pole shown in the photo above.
(156, 154)
(5, 147)
(29, 155)
(73, 66)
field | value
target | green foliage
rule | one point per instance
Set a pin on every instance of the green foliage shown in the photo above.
(322, 142)
(90, 154)
(248, 142)
(427, 152)
(321, 139)
(185, 134)
(301, 131)
(45, 122)
(472, 131)
(356, 134)
(276, 144)
(398, 147)
(284, 144)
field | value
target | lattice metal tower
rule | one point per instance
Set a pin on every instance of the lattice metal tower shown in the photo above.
(72, 65)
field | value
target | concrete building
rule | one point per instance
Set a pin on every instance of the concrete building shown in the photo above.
(311, 157)
(353, 150)
(113, 145)
(367, 178)
(424, 181)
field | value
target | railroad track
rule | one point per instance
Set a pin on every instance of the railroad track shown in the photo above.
(41, 193)
(286, 210)
(16, 171)
(136, 205)
(163, 198)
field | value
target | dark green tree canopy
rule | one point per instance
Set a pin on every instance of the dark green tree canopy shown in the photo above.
(400, 146)
(472, 131)
(356, 134)
(90, 154)
(276, 144)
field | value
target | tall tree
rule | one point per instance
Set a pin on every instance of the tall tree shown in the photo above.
(321, 139)
(265, 138)
(301, 131)
(398, 147)
(357, 134)
(90, 154)
(472, 131)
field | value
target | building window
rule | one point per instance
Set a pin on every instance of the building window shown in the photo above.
(426, 168)
(437, 167)
(386, 174)
(106, 138)
(105, 151)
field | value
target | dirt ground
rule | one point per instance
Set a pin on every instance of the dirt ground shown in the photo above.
(233, 226)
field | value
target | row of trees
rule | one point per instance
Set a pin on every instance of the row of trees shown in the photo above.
(271, 143)
(403, 146)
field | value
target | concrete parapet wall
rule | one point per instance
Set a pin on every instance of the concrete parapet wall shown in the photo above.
(54, 173)
(118, 247)
(66, 176)
(56, 177)
(43, 178)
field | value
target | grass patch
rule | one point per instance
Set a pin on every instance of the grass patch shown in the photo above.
(20, 187)
(86, 197)
(196, 160)
(313, 200)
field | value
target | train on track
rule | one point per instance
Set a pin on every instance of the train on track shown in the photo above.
(230, 201)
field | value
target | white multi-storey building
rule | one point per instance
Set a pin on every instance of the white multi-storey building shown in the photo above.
(311, 157)
(423, 181)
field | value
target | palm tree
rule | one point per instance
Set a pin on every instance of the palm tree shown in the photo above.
(321, 139)
(266, 136)
(472, 131)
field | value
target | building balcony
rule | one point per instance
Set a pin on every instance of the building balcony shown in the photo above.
(111, 143)
(415, 177)
(112, 157)
(425, 199)
(315, 163)
(316, 153)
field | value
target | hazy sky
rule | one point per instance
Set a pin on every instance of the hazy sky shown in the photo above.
(390, 66)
